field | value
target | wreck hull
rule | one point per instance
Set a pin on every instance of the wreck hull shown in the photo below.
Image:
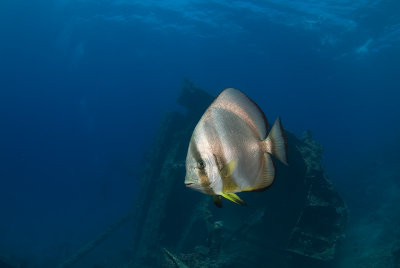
(300, 219)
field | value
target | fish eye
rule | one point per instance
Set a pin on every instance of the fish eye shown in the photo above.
(201, 164)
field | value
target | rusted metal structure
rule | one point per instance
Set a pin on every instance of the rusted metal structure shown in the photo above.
(299, 220)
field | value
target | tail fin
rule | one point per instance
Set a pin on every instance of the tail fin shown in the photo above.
(276, 142)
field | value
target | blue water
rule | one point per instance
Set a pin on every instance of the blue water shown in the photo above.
(84, 85)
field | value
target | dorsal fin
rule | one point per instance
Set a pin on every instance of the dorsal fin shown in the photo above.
(237, 102)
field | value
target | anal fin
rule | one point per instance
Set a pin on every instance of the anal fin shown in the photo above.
(267, 175)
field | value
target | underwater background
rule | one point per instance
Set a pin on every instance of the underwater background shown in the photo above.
(84, 86)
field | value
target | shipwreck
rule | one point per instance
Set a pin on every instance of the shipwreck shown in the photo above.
(301, 219)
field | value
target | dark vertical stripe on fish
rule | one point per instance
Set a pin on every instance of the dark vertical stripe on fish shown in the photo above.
(220, 159)
(194, 150)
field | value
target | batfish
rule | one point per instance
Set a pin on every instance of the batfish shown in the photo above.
(230, 151)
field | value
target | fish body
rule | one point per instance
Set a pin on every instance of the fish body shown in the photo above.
(230, 151)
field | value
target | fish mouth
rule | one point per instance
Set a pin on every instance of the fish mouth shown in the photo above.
(188, 184)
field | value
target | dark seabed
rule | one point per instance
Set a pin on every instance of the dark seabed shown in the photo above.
(98, 100)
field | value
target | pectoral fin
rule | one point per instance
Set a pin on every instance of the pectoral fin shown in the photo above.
(217, 200)
(227, 170)
(234, 198)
